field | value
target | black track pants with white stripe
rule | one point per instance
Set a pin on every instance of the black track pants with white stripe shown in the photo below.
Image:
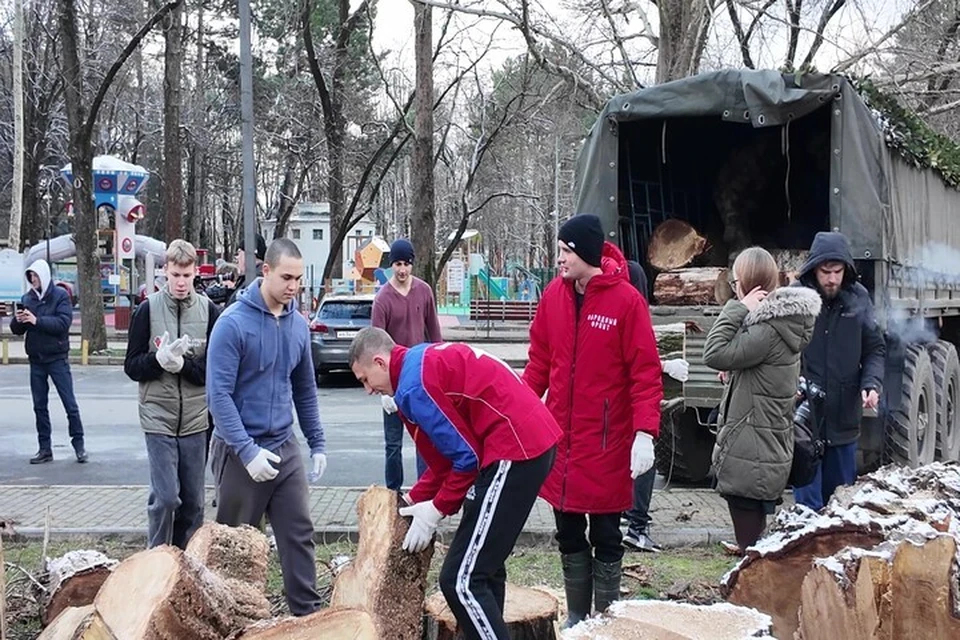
(473, 578)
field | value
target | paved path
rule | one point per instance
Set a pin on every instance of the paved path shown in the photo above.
(681, 516)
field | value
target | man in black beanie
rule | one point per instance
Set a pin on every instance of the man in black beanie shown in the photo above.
(593, 352)
(406, 309)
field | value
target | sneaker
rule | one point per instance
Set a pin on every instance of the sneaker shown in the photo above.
(82, 455)
(41, 457)
(639, 541)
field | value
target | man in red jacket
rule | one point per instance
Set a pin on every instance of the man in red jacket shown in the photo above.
(592, 347)
(488, 443)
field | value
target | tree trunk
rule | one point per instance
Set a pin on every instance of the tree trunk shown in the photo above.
(663, 620)
(530, 614)
(16, 207)
(75, 579)
(81, 158)
(683, 31)
(687, 287)
(172, 152)
(287, 202)
(423, 215)
(384, 580)
(326, 623)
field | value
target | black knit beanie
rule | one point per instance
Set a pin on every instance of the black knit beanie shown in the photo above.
(583, 233)
(401, 251)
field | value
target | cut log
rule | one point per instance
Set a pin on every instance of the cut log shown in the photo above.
(841, 598)
(74, 580)
(664, 620)
(77, 623)
(687, 287)
(348, 624)
(674, 244)
(722, 291)
(530, 614)
(164, 593)
(384, 580)
(241, 553)
(790, 261)
(922, 590)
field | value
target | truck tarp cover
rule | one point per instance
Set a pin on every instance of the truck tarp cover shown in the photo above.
(867, 181)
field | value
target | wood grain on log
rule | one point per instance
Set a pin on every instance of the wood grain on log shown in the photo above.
(241, 553)
(384, 580)
(348, 624)
(530, 614)
(74, 580)
(77, 623)
(674, 244)
(844, 608)
(687, 287)
(665, 620)
(163, 593)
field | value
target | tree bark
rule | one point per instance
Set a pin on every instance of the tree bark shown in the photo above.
(384, 580)
(75, 579)
(687, 287)
(172, 151)
(683, 31)
(530, 614)
(423, 215)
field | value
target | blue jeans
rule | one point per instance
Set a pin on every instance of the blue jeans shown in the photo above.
(838, 467)
(393, 445)
(639, 516)
(59, 372)
(175, 504)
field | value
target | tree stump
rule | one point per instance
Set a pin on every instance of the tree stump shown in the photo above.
(666, 620)
(687, 287)
(349, 624)
(530, 614)
(74, 580)
(164, 593)
(674, 244)
(384, 580)
(77, 623)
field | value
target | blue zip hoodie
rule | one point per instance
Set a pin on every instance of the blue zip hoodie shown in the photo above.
(258, 367)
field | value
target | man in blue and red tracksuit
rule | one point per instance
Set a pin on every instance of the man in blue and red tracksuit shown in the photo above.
(488, 443)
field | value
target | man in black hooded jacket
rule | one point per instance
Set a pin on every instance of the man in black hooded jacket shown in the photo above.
(845, 358)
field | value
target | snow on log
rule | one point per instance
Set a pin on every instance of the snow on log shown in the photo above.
(348, 624)
(384, 580)
(666, 620)
(530, 614)
(74, 580)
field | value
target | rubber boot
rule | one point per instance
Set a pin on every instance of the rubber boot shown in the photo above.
(578, 585)
(606, 584)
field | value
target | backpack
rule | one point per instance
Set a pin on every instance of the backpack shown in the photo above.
(808, 445)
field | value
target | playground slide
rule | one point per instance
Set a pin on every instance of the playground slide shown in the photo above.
(496, 292)
(62, 247)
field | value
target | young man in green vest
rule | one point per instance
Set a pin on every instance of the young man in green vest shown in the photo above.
(167, 355)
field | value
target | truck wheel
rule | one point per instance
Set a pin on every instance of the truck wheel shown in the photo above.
(684, 448)
(911, 427)
(946, 376)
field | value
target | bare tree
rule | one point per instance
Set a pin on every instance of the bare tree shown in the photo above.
(172, 152)
(81, 124)
(424, 221)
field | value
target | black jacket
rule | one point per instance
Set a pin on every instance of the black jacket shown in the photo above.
(49, 339)
(846, 354)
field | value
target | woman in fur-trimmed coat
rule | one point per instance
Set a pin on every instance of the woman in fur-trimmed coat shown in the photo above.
(757, 341)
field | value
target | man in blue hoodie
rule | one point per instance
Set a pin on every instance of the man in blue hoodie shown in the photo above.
(45, 316)
(260, 368)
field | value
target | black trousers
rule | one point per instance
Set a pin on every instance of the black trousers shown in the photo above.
(474, 576)
(605, 536)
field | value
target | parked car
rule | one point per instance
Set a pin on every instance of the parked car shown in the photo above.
(334, 325)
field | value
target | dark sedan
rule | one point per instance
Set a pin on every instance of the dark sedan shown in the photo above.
(333, 327)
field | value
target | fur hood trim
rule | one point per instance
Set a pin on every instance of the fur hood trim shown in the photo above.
(785, 302)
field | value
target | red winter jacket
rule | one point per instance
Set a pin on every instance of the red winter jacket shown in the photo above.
(465, 410)
(603, 374)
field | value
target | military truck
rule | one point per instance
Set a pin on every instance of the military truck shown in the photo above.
(761, 157)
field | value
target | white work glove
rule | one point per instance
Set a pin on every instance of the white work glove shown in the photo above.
(180, 346)
(389, 405)
(165, 356)
(678, 369)
(641, 454)
(319, 466)
(260, 468)
(424, 525)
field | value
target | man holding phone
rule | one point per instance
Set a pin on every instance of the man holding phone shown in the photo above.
(44, 316)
